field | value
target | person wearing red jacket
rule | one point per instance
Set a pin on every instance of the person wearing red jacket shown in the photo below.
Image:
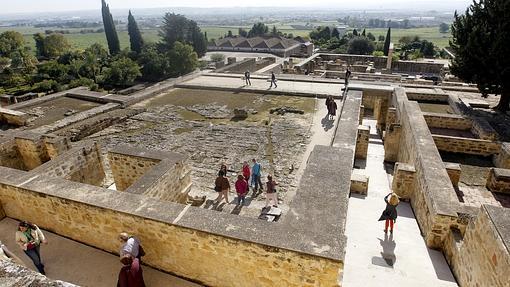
(241, 189)
(246, 171)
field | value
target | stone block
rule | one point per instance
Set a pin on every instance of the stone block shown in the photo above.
(13, 117)
(359, 183)
(392, 143)
(502, 159)
(362, 142)
(403, 179)
(483, 130)
(499, 180)
(454, 172)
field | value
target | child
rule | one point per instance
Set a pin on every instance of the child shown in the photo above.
(390, 213)
(241, 189)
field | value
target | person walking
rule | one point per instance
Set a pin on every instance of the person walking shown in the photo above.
(131, 274)
(246, 171)
(328, 101)
(256, 173)
(29, 237)
(247, 78)
(130, 245)
(273, 80)
(332, 107)
(347, 76)
(241, 189)
(222, 186)
(271, 194)
(389, 214)
(223, 168)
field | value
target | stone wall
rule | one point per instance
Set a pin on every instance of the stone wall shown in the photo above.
(31, 150)
(403, 180)
(483, 130)
(81, 164)
(502, 160)
(239, 67)
(371, 95)
(12, 117)
(362, 142)
(466, 145)
(499, 180)
(454, 170)
(435, 95)
(411, 67)
(482, 257)
(187, 241)
(127, 169)
(12, 274)
(9, 155)
(163, 175)
(433, 197)
(447, 121)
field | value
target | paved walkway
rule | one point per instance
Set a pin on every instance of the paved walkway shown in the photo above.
(262, 85)
(73, 262)
(374, 258)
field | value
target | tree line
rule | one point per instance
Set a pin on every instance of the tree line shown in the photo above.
(56, 66)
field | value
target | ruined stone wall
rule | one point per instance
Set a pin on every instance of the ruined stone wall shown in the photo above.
(127, 169)
(482, 257)
(239, 67)
(12, 117)
(483, 130)
(466, 145)
(12, 274)
(168, 180)
(31, 149)
(433, 197)
(447, 121)
(362, 142)
(411, 67)
(502, 160)
(371, 95)
(82, 164)
(403, 180)
(9, 155)
(183, 251)
(427, 95)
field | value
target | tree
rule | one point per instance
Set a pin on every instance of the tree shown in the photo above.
(182, 59)
(427, 49)
(177, 28)
(39, 44)
(229, 34)
(360, 46)
(198, 40)
(371, 36)
(121, 72)
(274, 32)
(10, 42)
(217, 57)
(355, 32)
(135, 37)
(258, 29)
(387, 42)
(444, 28)
(242, 32)
(335, 33)
(55, 45)
(380, 38)
(363, 33)
(480, 44)
(109, 28)
(155, 65)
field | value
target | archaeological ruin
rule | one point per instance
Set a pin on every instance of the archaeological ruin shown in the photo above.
(85, 166)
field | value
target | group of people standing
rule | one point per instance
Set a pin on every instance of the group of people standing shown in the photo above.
(247, 79)
(332, 107)
(247, 177)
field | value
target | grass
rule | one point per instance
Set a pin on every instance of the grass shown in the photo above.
(82, 41)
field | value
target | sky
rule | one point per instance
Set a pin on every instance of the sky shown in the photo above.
(30, 6)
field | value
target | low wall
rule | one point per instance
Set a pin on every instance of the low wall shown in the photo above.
(433, 197)
(466, 145)
(482, 257)
(158, 174)
(411, 67)
(81, 164)
(427, 95)
(9, 155)
(240, 67)
(499, 180)
(12, 117)
(447, 121)
(362, 142)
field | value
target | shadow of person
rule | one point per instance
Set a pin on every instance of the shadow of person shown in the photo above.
(327, 123)
(388, 246)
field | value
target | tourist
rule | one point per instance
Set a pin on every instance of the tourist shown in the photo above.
(131, 274)
(328, 100)
(256, 174)
(347, 76)
(390, 213)
(29, 237)
(241, 189)
(332, 107)
(246, 171)
(271, 192)
(130, 245)
(223, 167)
(222, 186)
(273, 80)
(247, 78)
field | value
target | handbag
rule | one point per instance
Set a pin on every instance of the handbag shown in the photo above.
(31, 245)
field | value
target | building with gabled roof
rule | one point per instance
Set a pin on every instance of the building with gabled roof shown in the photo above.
(279, 46)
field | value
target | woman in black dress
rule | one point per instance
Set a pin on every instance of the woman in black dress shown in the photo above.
(390, 213)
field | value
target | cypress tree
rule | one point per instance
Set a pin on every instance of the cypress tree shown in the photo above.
(387, 42)
(355, 32)
(363, 33)
(109, 29)
(135, 37)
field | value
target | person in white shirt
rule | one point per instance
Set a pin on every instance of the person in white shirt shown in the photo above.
(130, 245)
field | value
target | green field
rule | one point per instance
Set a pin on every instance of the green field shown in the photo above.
(82, 41)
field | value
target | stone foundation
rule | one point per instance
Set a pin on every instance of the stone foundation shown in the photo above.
(454, 171)
(447, 121)
(499, 180)
(482, 257)
(362, 142)
(466, 145)
(403, 179)
(359, 183)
